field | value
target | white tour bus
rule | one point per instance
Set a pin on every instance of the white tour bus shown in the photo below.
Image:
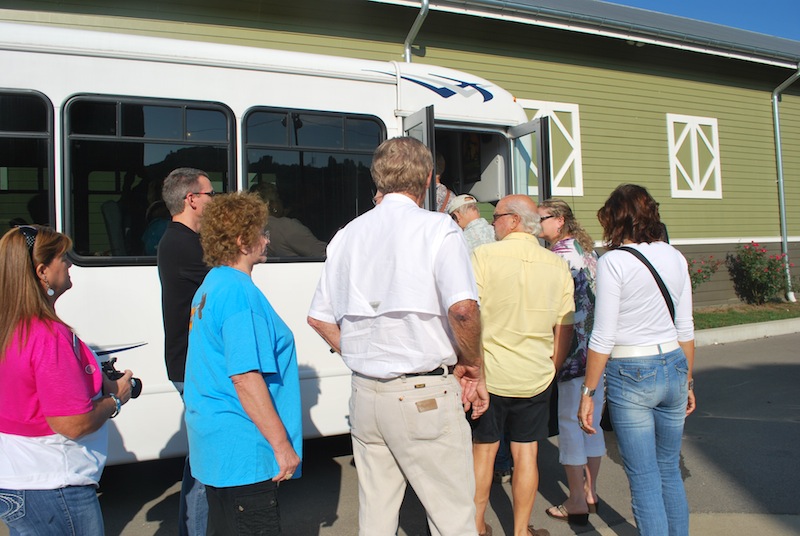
(91, 123)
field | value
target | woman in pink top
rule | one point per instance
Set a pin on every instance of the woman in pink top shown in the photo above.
(55, 399)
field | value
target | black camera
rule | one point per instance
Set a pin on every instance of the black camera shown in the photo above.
(114, 374)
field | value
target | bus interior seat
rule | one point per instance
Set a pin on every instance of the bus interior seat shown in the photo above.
(112, 216)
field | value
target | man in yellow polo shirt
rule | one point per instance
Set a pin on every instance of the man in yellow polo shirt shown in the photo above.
(526, 296)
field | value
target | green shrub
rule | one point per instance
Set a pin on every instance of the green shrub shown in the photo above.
(701, 270)
(757, 277)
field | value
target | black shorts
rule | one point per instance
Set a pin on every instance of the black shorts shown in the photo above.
(244, 510)
(523, 419)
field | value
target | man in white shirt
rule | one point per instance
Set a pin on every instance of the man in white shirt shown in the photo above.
(397, 299)
(477, 231)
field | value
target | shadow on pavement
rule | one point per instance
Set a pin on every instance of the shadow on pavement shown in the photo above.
(746, 429)
(313, 501)
(120, 486)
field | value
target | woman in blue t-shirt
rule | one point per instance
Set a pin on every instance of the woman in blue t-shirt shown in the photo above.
(242, 388)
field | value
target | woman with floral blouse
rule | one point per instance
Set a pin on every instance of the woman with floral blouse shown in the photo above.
(579, 453)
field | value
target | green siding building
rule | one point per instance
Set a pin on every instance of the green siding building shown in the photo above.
(679, 106)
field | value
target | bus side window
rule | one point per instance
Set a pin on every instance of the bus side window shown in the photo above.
(26, 146)
(120, 150)
(314, 167)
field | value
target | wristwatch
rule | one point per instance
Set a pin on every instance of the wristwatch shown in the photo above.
(118, 404)
(585, 391)
(691, 384)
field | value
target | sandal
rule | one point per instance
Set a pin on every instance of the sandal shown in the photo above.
(488, 531)
(594, 506)
(563, 515)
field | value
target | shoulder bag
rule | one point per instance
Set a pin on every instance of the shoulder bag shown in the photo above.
(660, 282)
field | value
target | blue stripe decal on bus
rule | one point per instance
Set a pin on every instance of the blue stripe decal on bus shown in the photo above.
(446, 90)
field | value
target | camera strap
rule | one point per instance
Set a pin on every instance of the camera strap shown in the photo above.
(76, 347)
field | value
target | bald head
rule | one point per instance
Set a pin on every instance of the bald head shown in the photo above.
(522, 216)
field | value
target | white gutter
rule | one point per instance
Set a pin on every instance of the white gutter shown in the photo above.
(776, 97)
(587, 29)
(412, 34)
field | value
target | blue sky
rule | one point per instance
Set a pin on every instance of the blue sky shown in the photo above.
(773, 17)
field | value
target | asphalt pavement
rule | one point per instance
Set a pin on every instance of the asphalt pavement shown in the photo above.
(739, 461)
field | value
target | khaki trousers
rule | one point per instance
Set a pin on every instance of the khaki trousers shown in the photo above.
(412, 431)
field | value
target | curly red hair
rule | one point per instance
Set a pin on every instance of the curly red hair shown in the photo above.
(230, 221)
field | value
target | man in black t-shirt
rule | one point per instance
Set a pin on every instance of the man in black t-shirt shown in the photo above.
(181, 269)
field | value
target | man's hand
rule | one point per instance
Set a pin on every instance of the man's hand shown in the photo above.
(474, 394)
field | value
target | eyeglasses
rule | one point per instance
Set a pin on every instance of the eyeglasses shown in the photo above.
(546, 217)
(265, 234)
(212, 193)
(496, 217)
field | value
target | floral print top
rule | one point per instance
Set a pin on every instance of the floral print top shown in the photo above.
(584, 271)
(442, 196)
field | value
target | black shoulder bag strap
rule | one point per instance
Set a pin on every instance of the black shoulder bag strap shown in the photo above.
(661, 286)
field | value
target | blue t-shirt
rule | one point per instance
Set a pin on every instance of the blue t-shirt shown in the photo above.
(233, 330)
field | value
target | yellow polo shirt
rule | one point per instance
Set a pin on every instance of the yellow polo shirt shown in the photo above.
(524, 291)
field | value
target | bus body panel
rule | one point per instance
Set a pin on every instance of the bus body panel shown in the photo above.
(119, 303)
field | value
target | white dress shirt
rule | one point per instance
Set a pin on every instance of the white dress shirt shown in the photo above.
(389, 280)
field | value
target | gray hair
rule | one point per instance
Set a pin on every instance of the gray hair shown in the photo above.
(528, 217)
(178, 184)
(467, 207)
(401, 165)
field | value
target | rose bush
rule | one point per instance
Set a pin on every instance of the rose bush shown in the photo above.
(757, 276)
(701, 270)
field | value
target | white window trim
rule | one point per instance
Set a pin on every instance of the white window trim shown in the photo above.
(694, 177)
(572, 133)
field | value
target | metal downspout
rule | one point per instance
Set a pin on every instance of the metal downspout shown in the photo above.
(776, 97)
(412, 34)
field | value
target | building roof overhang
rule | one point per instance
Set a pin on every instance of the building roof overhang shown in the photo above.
(637, 26)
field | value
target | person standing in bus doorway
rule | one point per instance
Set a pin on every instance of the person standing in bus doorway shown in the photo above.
(464, 210)
(186, 192)
(397, 300)
(444, 195)
(526, 294)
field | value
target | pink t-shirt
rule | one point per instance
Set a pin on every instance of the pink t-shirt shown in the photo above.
(49, 373)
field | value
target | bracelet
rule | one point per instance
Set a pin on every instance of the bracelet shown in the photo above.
(691, 384)
(118, 404)
(585, 391)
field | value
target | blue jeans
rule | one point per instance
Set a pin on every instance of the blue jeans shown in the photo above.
(193, 505)
(70, 511)
(647, 399)
(503, 462)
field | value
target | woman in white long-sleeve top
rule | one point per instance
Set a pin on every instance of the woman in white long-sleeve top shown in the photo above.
(647, 354)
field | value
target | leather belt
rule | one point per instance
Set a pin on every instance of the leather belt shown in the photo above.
(621, 352)
(438, 371)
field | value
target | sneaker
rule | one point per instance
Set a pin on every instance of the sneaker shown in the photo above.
(502, 477)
